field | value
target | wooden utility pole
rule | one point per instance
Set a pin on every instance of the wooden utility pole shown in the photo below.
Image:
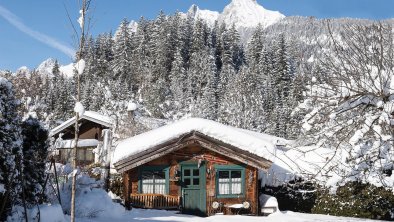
(85, 5)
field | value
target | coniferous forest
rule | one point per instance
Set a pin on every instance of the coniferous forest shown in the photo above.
(174, 67)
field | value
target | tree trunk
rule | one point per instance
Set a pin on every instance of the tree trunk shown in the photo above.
(85, 4)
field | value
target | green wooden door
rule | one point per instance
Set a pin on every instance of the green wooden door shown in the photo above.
(193, 190)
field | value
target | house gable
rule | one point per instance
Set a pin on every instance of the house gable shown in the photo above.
(89, 116)
(192, 138)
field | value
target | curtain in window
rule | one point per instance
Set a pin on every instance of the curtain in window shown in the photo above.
(89, 154)
(80, 154)
(229, 182)
(236, 182)
(153, 182)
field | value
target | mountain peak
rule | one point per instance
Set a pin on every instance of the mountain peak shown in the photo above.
(193, 9)
(248, 13)
(243, 1)
(47, 66)
(245, 15)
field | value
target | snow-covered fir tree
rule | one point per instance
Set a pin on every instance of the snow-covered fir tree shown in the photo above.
(10, 149)
(35, 149)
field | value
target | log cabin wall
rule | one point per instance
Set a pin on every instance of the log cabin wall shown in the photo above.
(211, 159)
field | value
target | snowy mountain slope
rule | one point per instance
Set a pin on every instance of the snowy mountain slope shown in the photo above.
(210, 17)
(248, 13)
(245, 15)
(67, 70)
(46, 67)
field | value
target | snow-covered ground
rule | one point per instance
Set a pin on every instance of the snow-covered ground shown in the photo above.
(93, 204)
(162, 215)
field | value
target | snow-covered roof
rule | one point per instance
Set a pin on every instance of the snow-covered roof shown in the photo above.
(262, 145)
(69, 144)
(88, 115)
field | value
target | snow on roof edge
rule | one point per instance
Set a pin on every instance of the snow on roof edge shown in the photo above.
(69, 144)
(88, 115)
(241, 138)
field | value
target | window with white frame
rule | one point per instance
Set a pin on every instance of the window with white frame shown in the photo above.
(230, 182)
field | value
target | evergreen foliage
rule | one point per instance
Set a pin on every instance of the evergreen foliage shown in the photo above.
(23, 151)
(35, 150)
(356, 199)
(10, 149)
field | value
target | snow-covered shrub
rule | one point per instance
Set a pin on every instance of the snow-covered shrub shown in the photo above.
(91, 200)
(356, 199)
(296, 196)
(94, 170)
(116, 185)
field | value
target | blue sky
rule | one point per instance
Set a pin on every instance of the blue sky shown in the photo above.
(47, 31)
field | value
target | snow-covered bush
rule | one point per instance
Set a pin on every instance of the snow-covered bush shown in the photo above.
(356, 199)
(91, 200)
(116, 185)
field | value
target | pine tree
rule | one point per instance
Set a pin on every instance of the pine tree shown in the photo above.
(88, 79)
(256, 45)
(185, 36)
(53, 91)
(178, 82)
(207, 104)
(235, 48)
(35, 147)
(227, 71)
(123, 50)
(10, 149)
(242, 103)
(282, 84)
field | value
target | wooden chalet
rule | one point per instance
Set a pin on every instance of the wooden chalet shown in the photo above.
(91, 136)
(198, 166)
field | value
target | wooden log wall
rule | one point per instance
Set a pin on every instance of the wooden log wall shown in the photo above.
(195, 153)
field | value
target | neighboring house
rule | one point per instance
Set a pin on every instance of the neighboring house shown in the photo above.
(200, 166)
(91, 143)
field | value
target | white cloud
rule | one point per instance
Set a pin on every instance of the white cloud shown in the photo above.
(15, 21)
